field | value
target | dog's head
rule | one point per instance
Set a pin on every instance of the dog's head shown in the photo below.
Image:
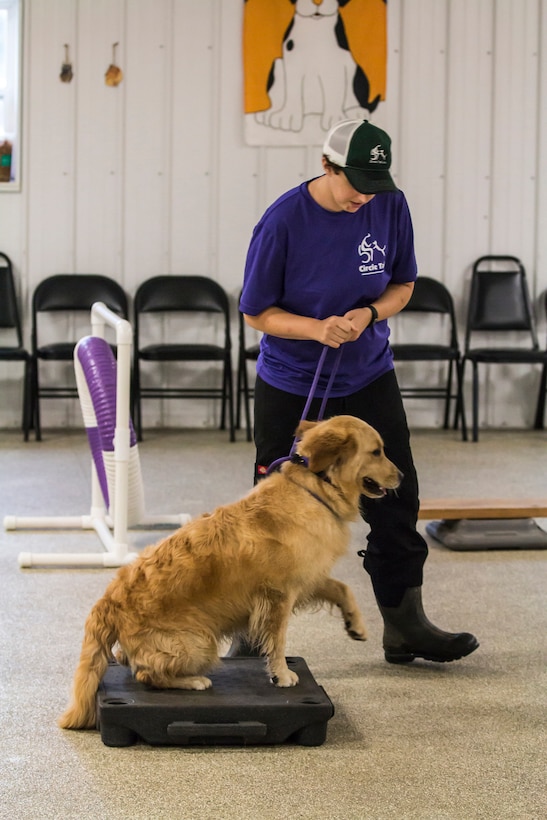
(349, 452)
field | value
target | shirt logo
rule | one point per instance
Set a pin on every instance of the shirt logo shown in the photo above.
(373, 256)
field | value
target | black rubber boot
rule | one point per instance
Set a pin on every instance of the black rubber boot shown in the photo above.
(408, 634)
(241, 648)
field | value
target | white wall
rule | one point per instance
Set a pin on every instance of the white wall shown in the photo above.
(154, 176)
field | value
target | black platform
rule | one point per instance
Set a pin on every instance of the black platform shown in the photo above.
(488, 534)
(241, 708)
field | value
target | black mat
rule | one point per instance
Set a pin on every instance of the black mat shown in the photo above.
(241, 708)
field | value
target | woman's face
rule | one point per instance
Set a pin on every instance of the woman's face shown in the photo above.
(344, 196)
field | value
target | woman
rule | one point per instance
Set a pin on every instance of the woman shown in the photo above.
(329, 262)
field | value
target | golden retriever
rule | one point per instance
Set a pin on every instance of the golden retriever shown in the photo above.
(243, 568)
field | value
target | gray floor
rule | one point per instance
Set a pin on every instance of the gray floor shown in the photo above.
(457, 741)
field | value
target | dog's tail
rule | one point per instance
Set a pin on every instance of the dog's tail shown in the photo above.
(100, 635)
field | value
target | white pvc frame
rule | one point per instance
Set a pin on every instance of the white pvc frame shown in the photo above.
(112, 533)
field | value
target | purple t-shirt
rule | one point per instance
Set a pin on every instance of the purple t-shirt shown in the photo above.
(318, 263)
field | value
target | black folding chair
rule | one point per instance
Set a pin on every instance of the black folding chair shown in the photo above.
(539, 422)
(64, 295)
(244, 391)
(499, 305)
(186, 300)
(431, 302)
(10, 321)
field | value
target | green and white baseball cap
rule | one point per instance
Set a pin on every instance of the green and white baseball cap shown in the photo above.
(363, 151)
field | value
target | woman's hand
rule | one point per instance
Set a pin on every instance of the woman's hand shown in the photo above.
(333, 331)
(360, 319)
(336, 330)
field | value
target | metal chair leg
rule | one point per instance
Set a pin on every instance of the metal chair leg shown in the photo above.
(539, 422)
(475, 401)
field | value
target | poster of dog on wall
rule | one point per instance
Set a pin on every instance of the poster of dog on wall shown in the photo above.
(309, 64)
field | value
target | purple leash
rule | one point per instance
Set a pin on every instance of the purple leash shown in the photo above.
(279, 461)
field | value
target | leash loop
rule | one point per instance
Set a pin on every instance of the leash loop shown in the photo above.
(277, 463)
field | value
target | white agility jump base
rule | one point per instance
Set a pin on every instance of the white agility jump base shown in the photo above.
(117, 496)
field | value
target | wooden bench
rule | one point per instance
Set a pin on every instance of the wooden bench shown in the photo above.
(457, 508)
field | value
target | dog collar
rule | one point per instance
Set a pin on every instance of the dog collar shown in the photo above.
(296, 458)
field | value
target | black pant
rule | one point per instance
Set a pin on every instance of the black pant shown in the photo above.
(396, 552)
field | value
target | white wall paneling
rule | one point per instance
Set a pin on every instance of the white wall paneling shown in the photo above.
(514, 179)
(50, 132)
(240, 173)
(195, 136)
(148, 130)
(540, 209)
(154, 176)
(467, 212)
(422, 137)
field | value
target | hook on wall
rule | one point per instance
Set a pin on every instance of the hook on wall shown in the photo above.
(114, 75)
(67, 73)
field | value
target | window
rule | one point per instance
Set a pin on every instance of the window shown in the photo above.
(10, 96)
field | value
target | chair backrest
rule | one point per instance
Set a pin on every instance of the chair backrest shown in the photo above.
(78, 291)
(69, 292)
(9, 309)
(165, 294)
(499, 299)
(180, 293)
(431, 296)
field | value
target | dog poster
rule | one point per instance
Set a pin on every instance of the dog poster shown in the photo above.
(309, 64)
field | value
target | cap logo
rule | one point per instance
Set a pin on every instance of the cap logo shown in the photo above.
(378, 155)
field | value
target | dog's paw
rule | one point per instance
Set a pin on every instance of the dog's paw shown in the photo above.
(356, 629)
(197, 682)
(285, 679)
(121, 656)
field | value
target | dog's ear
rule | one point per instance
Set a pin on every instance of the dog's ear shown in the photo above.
(324, 448)
(304, 425)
